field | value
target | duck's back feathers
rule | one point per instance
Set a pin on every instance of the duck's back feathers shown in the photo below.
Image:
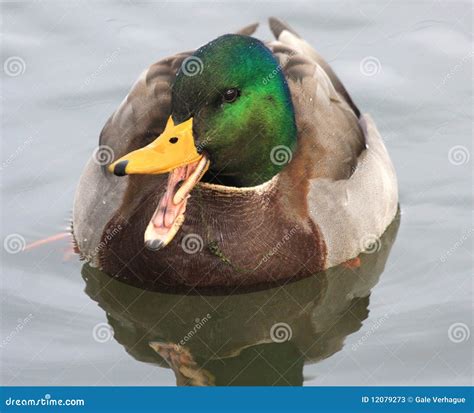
(287, 36)
(329, 133)
(277, 27)
(248, 30)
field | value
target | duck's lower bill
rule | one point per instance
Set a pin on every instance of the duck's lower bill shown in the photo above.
(169, 215)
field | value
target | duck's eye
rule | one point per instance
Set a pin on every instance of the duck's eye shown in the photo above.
(230, 95)
(173, 140)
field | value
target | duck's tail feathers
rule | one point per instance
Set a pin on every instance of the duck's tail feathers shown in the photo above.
(277, 26)
(248, 30)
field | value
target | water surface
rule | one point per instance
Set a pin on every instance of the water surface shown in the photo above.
(404, 317)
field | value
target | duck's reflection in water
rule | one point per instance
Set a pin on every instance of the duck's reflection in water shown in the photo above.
(254, 338)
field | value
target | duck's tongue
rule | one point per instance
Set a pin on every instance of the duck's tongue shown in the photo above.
(169, 215)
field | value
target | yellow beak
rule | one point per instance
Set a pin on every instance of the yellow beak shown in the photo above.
(172, 149)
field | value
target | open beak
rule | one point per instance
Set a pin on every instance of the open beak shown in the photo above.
(174, 152)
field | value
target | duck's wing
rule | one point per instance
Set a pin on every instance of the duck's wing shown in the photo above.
(287, 36)
(353, 213)
(351, 191)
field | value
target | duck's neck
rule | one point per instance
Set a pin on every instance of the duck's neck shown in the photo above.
(267, 159)
(272, 155)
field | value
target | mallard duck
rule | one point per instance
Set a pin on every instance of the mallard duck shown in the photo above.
(240, 163)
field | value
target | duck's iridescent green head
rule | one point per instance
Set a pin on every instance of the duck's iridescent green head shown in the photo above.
(232, 116)
(238, 98)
